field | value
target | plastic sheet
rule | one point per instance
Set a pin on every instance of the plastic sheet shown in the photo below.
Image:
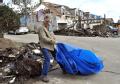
(76, 60)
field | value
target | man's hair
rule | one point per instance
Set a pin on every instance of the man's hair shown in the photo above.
(47, 11)
(46, 17)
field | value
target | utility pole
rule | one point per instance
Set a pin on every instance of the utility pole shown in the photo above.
(104, 19)
(79, 19)
(87, 19)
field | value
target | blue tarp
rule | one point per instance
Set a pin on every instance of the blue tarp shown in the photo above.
(76, 60)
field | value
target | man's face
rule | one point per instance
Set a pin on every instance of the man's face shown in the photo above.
(46, 19)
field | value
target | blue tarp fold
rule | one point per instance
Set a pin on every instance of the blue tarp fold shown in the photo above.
(77, 60)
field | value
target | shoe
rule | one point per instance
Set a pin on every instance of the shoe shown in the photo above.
(44, 79)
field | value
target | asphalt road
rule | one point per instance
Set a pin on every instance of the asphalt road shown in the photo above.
(107, 48)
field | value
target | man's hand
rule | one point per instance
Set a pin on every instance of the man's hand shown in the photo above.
(52, 41)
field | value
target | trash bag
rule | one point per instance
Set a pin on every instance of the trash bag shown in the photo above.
(76, 60)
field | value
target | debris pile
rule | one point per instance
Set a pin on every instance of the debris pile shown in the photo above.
(98, 30)
(23, 62)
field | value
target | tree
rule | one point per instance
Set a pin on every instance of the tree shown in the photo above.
(1, 1)
(9, 20)
(25, 9)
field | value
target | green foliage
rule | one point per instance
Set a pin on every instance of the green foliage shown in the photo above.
(9, 20)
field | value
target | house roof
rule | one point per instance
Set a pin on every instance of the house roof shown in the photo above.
(53, 8)
(56, 8)
(39, 7)
(109, 19)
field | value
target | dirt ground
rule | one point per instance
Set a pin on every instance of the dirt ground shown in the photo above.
(5, 43)
(107, 48)
(8, 43)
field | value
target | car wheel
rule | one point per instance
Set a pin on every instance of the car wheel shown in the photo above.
(25, 32)
(22, 33)
(15, 33)
(115, 33)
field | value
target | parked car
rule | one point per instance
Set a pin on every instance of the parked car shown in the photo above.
(21, 30)
(113, 30)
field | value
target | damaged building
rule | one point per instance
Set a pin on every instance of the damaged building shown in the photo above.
(68, 21)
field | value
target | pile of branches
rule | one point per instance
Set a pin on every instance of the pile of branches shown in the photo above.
(20, 63)
(102, 31)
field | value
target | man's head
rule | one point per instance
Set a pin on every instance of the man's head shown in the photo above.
(46, 21)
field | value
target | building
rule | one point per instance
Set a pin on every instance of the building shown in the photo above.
(58, 11)
(67, 16)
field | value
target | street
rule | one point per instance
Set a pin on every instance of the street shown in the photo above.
(107, 48)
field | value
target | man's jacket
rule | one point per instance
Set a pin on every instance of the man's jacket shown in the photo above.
(45, 38)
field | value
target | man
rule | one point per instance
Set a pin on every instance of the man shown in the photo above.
(47, 43)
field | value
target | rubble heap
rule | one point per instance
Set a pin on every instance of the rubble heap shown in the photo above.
(98, 30)
(23, 62)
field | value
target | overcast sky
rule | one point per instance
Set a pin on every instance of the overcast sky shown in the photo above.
(98, 7)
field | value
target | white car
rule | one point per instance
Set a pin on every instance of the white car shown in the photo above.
(21, 30)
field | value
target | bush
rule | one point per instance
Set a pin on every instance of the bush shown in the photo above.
(9, 20)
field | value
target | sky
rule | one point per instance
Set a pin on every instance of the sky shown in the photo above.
(98, 7)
